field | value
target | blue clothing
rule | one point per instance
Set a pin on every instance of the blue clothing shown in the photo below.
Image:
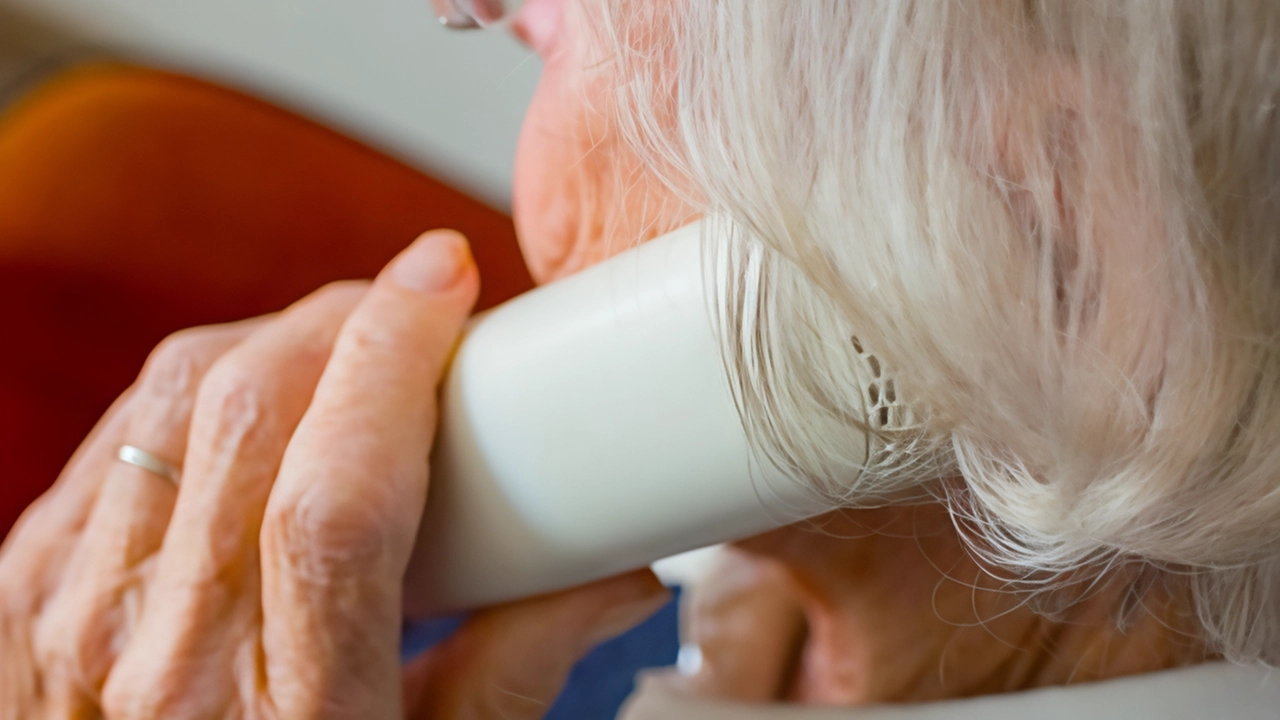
(602, 680)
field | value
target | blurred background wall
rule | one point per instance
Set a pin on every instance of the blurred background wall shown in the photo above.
(383, 71)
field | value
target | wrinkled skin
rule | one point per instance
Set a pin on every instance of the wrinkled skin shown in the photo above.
(269, 585)
(886, 605)
(860, 606)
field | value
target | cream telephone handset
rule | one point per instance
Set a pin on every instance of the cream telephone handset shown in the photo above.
(587, 428)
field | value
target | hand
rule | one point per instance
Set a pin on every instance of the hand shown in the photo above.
(267, 584)
(874, 606)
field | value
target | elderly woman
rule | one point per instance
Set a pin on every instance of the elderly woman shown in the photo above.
(1054, 224)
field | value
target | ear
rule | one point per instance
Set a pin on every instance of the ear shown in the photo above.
(1070, 162)
(1041, 157)
(1036, 155)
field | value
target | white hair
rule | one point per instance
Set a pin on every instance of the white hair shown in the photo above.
(1055, 222)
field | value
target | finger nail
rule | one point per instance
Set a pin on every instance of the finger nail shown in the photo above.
(434, 263)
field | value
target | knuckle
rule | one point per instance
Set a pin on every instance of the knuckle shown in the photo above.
(342, 290)
(29, 539)
(176, 365)
(153, 679)
(142, 686)
(236, 401)
(374, 340)
(70, 642)
(316, 539)
(335, 297)
(48, 639)
(371, 336)
(80, 628)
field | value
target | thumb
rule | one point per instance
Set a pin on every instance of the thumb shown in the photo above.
(510, 662)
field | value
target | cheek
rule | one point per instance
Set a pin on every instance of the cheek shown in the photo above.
(555, 175)
(579, 194)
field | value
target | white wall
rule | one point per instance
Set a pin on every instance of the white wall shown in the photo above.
(382, 70)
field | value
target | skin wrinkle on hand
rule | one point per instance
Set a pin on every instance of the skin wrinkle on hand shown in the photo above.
(239, 613)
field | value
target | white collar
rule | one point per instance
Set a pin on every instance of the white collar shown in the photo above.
(1213, 690)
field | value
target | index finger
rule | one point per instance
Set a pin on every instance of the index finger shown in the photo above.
(343, 513)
